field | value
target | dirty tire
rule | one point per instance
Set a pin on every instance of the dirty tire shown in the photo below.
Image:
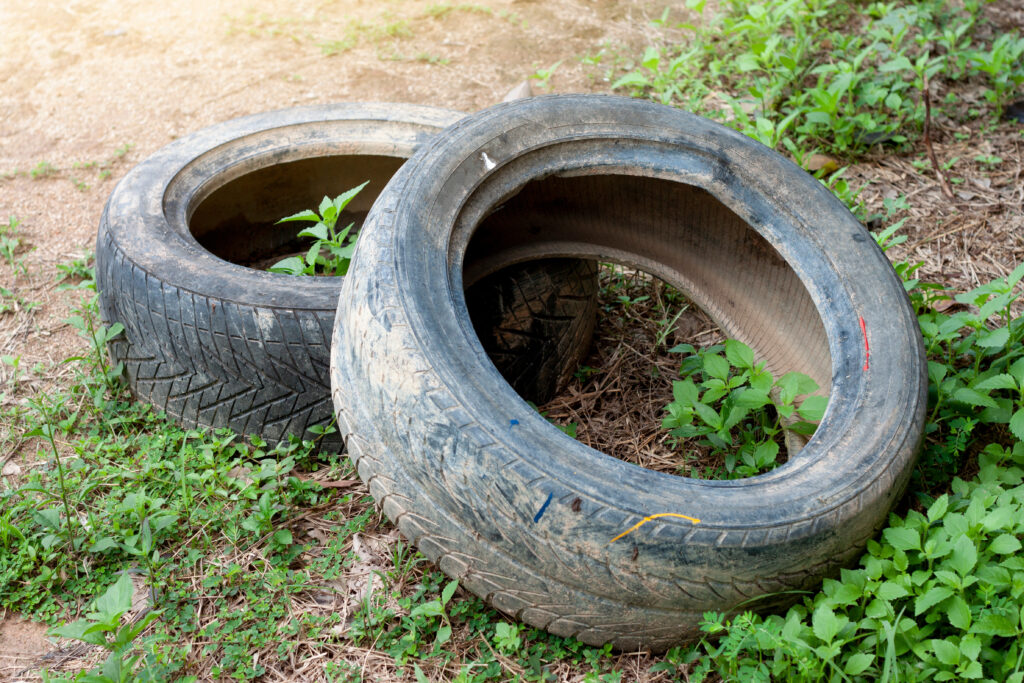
(215, 343)
(540, 526)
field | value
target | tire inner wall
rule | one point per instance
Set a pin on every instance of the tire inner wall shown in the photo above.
(678, 232)
(237, 221)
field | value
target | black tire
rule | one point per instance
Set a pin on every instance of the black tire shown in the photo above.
(215, 343)
(542, 527)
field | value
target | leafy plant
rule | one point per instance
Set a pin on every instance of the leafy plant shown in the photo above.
(332, 249)
(543, 76)
(102, 626)
(725, 399)
(793, 75)
(42, 170)
(1002, 63)
(10, 242)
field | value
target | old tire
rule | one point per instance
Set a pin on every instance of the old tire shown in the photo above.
(542, 527)
(214, 343)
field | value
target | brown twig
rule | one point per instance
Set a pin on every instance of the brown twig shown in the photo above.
(928, 140)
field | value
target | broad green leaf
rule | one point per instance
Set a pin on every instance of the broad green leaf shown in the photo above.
(891, 591)
(995, 625)
(736, 414)
(930, 598)
(105, 543)
(766, 453)
(938, 508)
(747, 62)
(306, 215)
(716, 366)
(739, 354)
(1000, 381)
(342, 200)
(293, 265)
(899, 63)
(903, 538)
(994, 338)
(1017, 371)
(685, 392)
(1001, 517)
(847, 594)
(970, 647)
(708, 414)
(751, 399)
(795, 384)
(1016, 276)
(448, 592)
(117, 598)
(319, 231)
(964, 556)
(826, 624)
(311, 256)
(936, 372)
(633, 79)
(428, 609)
(1017, 424)
(1004, 545)
(857, 663)
(973, 398)
(329, 216)
(761, 381)
(444, 634)
(972, 671)
(651, 58)
(325, 203)
(947, 652)
(813, 408)
(77, 630)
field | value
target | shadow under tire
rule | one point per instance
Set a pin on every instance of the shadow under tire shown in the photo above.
(542, 527)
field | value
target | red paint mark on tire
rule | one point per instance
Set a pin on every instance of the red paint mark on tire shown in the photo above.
(867, 348)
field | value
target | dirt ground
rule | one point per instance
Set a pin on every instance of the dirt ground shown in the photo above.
(87, 89)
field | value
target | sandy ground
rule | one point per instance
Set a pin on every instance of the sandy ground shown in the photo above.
(87, 89)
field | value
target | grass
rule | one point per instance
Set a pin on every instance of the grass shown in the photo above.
(273, 563)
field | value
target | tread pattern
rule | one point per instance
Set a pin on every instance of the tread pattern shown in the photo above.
(466, 496)
(210, 362)
(535, 322)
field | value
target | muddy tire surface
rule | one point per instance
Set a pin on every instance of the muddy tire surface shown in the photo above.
(542, 527)
(215, 341)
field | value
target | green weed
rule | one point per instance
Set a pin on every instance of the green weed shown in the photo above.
(332, 249)
(102, 626)
(543, 76)
(728, 403)
(10, 244)
(42, 170)
(805, 75)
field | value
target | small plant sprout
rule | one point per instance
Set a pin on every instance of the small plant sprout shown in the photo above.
(42, 170)
(9, 241)
(332, 249)
(543, 76)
